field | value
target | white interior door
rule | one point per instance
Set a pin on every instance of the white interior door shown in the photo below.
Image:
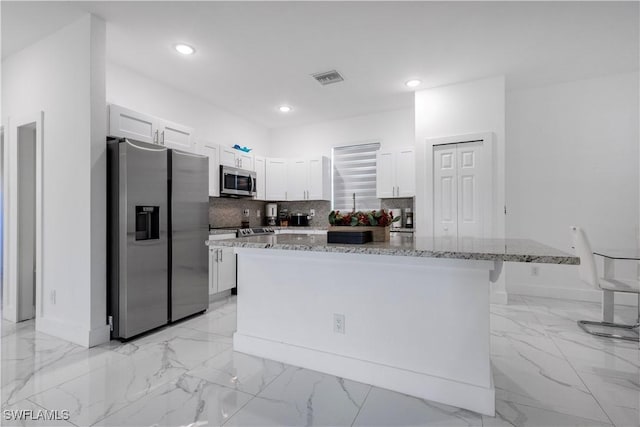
(462, 189)
(445, 182)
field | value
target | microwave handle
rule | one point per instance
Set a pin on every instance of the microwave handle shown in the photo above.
(253, 184)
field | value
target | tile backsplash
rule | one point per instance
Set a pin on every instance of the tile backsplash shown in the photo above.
(228, 212)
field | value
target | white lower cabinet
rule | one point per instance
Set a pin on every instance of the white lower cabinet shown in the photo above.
(222, 269)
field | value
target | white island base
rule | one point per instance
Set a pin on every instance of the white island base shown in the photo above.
(415, 325)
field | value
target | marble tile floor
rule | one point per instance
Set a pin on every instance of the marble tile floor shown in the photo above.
(547, 372)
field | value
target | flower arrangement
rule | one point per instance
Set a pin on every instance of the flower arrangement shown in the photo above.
(379, 218)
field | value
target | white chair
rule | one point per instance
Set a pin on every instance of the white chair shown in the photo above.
(589, 274)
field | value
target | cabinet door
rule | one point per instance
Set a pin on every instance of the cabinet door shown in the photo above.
(226, 269)
(319, 187)
(127, 123)
(228, 157)
(276, 177)
(445, 191)
(213, 152)
(297, 179)
(173, 135)
(385, 175)
(259, 164)
(213, 270)
(405, 173)
(245, 160)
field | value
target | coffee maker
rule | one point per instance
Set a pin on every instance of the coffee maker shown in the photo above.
(271, 213)
(408, 220)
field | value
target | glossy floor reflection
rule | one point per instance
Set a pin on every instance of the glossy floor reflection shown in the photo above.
(547, 372)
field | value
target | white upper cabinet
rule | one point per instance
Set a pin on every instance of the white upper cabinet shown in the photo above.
(173, 135)
(213, 152)
(235, 158)
(385, 174)
(127, 123)
(143, 127)
(276, 179)
(319, 186)
(406, 173)
(259, 164)
(297, 179)
(395, 173)
(309, 179)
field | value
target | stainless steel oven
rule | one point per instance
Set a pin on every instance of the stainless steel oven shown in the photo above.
(236, 182)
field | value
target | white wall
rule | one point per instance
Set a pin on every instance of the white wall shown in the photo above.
(63, 75)
(460, 109)
(212, 124)
(391, 128)
(467, 108)
(572, 158)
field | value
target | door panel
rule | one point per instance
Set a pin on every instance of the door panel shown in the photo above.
(177, 136)
(131, 124)
(226, 269)
(470, 198)
(276, 175)
(385, 174)
(445, 191)
(405, 173)
(190, 229)
(297, 179)
(143, 297)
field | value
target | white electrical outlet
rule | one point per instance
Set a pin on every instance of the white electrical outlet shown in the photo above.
(535, 270)
(312, 212)
(338, 323)
(246, 212)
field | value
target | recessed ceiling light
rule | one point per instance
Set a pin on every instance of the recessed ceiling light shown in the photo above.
(413, 83)
(284, 108)
(185, 49)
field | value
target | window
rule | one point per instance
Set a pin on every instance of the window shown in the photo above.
(354, 171)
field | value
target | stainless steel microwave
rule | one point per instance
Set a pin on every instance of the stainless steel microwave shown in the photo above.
(236, 182)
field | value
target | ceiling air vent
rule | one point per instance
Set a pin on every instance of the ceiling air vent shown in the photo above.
(328, 77)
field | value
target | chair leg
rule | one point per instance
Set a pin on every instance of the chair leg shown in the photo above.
(607, 320)
(607, 306)
(584, 323)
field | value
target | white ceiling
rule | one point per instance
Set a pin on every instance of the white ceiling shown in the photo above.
(253, 56)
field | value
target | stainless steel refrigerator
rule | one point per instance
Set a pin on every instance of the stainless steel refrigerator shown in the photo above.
(157, 202)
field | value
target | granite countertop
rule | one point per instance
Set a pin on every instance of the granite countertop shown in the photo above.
(405, 244)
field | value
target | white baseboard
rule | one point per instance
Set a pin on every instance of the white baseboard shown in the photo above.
(70, 332)
(450, 392)
(588, 295)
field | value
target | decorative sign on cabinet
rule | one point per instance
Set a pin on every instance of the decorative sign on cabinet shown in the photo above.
(395, 173)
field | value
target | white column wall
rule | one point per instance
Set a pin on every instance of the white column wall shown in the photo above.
(572, 159)
(467, 108)
(63, 75)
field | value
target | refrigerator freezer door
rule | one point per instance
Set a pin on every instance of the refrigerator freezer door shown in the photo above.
(189, 231)
(142, 238)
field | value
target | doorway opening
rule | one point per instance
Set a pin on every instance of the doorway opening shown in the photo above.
(22, 191)
(26, 220)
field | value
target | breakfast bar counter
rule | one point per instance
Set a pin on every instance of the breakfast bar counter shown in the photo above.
(410, 315)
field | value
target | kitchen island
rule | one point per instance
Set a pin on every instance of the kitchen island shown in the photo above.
(410, 315)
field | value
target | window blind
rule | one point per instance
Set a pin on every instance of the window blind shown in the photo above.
(354, 171)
